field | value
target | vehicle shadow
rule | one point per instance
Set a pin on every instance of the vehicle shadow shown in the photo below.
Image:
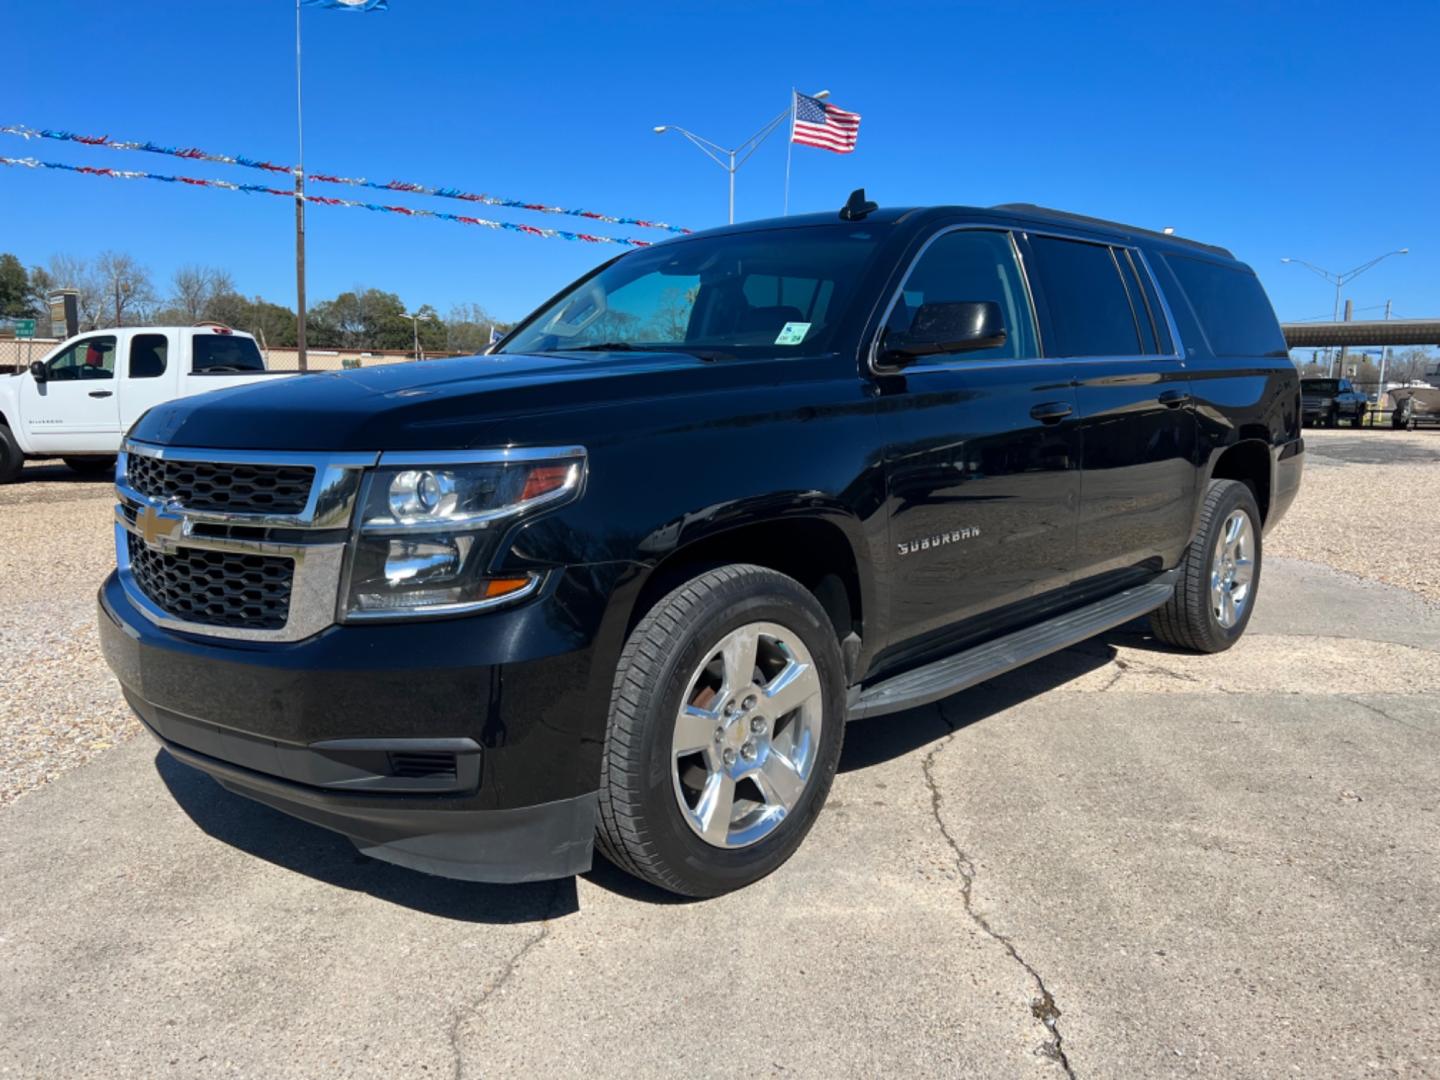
(318, 853)
(308, 849)
(883, 738)
(55, 471)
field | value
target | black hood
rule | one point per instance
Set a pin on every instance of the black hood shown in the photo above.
(439, 404)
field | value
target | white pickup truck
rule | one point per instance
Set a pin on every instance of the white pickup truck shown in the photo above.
(79, 400)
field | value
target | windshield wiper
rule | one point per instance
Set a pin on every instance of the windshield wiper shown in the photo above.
(628, 346)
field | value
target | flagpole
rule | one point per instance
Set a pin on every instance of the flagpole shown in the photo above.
(299, 206)
(789, 149)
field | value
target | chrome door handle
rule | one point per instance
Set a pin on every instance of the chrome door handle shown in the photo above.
(1173, 398)
(1051, 412)
(102, 393)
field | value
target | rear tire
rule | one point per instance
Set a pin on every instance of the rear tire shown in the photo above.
(1358, 420)
(1209, 611)
(90, 465)
(11, 459)
(686, 819)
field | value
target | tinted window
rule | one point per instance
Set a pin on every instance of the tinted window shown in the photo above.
(771, 292)
(1231, 307)
(147, 356)
(89, 358)
(222, 353)
(1319, 386)
(1164, 343)
(970, 265)
(1089, 309)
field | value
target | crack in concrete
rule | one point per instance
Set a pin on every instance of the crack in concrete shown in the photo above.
(1393, 719)
(1042, 1008)
(466, 1012)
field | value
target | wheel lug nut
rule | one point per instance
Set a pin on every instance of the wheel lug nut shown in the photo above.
(748, 751)
(757, 725)
(730, 708)
(749, 703)
(729, 756)
(719, 734)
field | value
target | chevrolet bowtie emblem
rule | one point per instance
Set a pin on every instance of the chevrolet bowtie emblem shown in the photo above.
(158, 528)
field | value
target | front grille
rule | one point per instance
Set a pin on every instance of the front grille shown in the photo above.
(216, 588)
(215, 486)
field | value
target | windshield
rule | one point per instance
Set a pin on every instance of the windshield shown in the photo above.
(225, 354)
(1320, 386)
(774, 291)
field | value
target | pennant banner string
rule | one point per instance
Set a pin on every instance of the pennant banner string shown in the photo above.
(325, 200)
(193, 154)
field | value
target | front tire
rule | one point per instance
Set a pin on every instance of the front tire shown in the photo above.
(1219, 575)
(11, 459)
(726, 721)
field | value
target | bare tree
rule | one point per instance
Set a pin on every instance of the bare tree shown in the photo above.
(126, 290)
(71, 272)
(194, 289)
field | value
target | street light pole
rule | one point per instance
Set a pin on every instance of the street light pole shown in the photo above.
(731, 159)
(1340, 280)
(415, 327)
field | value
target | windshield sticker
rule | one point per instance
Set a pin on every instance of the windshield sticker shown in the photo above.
(793, 333)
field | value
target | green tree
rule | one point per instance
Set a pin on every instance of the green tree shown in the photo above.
(14, 287)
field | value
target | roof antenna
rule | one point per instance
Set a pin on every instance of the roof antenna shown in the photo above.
(856, 207)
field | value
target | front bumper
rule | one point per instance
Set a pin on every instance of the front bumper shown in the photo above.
(467, 748)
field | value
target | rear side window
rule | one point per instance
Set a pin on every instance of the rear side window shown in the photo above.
(1231, 307)
(225, 354)
(147, 356)
(1088, 305)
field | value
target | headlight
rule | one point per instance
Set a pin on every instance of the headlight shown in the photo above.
(429, 531)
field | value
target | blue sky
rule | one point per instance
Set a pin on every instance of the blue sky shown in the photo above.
(1308, 130)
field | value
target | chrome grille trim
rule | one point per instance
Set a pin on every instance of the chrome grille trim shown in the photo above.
(167, 525)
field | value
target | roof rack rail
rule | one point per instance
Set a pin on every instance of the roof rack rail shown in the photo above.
(1083, 219)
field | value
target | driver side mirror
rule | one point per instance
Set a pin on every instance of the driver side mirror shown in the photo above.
(38, 371)
(962, 326)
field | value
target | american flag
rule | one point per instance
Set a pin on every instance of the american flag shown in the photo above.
(825, 126)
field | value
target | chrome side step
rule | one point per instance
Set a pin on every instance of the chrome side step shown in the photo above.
(944, 677)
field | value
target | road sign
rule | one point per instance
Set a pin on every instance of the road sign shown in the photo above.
(24, 328)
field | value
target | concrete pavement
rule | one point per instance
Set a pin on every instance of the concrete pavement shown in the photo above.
(1117, 862)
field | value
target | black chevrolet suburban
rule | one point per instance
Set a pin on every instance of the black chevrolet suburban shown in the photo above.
(625, 579)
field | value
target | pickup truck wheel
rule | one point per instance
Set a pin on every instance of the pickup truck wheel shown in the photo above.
(1219, 575)
(90, 465)
(11, 459)
(1358, 420)
(726, 721)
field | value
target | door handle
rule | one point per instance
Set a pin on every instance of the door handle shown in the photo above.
(101, 393)
(1173, 398)
(1051, 412)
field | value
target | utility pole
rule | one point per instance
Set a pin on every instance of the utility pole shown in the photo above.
(1384, 356)
(1345, 349)
(299, 208)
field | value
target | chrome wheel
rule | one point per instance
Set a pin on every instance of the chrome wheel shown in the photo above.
(1232, 569)
(747, 735)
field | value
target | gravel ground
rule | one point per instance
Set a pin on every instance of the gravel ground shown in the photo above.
(59, 706)
(1367, 506)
